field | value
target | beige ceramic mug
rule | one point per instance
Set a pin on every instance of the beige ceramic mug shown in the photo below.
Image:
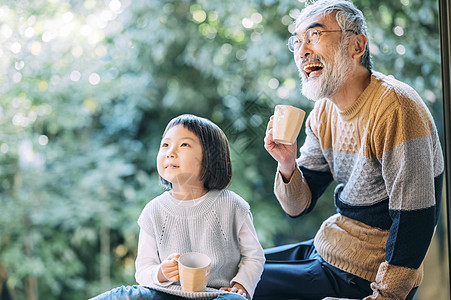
(194, 271)
(287, 123)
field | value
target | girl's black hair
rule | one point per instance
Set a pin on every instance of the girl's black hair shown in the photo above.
(216, 163)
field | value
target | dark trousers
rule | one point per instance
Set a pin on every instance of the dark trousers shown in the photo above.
(298, 272)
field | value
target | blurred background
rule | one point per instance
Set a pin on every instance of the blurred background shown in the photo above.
(87, 87)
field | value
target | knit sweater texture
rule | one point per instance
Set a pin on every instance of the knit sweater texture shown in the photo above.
(211, 227)
(384, 153)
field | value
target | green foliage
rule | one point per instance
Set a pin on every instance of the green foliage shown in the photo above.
(87, 88)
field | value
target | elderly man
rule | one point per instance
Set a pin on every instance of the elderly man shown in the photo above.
(375, 137)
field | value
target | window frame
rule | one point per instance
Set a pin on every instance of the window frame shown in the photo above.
(445, 46)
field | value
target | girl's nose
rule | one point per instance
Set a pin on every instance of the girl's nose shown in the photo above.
(171, 153)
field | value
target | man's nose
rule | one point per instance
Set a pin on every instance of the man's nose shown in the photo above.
(303, 52)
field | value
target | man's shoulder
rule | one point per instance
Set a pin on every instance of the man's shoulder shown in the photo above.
(395, 95)
(395, 87)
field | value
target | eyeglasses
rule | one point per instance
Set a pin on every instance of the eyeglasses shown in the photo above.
(311, 37)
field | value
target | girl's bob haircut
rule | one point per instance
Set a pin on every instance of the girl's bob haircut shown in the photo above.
(216, 163)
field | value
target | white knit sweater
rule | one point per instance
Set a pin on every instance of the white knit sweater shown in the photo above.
(211, 227)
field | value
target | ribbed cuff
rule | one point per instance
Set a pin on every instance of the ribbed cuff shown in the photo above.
(294, 196)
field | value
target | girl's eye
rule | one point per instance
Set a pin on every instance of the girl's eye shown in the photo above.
(185, 145)
(163, 145)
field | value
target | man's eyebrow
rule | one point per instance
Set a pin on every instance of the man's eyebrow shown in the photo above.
(313, 25)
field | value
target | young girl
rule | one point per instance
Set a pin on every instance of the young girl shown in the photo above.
(197, 214)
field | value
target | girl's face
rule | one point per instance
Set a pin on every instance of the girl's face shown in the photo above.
(179, 159)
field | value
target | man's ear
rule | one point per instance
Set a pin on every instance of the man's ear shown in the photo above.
(358, 45)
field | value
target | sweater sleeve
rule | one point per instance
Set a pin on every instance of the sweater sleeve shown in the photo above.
(406, 144)
(147, 261)
(309, 181)
(252, 257)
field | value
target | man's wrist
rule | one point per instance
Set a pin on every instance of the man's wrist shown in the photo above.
(287, 170)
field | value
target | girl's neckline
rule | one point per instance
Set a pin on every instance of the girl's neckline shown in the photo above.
(190, 193)
(188, 203)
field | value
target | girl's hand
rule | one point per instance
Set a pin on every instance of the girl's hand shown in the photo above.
(169, 269)
(236, 288)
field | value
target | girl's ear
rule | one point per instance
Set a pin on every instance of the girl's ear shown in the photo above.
(358, 45)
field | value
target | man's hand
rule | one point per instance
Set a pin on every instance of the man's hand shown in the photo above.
(169, 269)
(236, 288)
(285, 155)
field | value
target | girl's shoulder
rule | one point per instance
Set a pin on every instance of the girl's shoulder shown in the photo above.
(232, 198)
(158, 200)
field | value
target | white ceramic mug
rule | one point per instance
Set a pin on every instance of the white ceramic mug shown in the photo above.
(194, 271)
(287, 123)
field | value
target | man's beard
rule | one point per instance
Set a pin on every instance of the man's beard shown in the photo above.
(332, 77)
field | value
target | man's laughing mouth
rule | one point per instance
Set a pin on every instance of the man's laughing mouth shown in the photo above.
(312, 69)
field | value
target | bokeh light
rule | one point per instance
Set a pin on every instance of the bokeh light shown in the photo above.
(94, 79)
(43, 140)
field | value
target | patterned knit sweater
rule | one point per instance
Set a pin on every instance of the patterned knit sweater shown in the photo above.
(385, 155)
